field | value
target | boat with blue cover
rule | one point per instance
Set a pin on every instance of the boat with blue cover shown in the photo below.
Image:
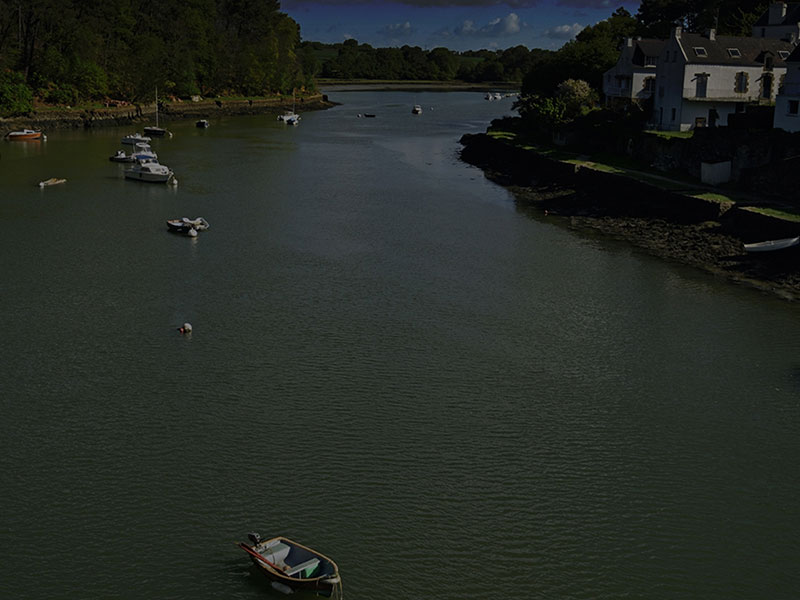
(292, 566)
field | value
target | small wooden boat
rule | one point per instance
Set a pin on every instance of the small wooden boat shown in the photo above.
(293, 566)
(51, 181)
(772, 245)
(25, 134)
(186, 225)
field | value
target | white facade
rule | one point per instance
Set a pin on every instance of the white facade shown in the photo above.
(787, 103)
(633, 78)
(781, 21)
(703, 79)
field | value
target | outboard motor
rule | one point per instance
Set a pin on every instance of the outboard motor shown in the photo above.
(254, 537)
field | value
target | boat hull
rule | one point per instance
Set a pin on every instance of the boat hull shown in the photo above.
(24, 135)
(772, 245)
(148, 177)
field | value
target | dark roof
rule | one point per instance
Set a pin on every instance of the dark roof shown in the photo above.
(792, 16)
(643, 48)
(752, 51)
(795, 55)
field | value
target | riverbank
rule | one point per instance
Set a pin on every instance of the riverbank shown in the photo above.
(675, 220)
(50, 118)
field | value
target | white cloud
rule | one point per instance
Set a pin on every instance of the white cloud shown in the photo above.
(509, 25)
(397, 30)
(564, 32)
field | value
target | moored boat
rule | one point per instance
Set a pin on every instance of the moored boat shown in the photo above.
(417, 110)
(135, 138)
(293, 565)
(186, 225)
(156, 131)
(151, 171)
(25, 134)
(202, 124)
(770, 245)
(51, 181)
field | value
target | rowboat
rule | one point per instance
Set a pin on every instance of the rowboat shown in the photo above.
(186, 225)
(25, 134)
(772, 245)
(51, 181)
(292, 566)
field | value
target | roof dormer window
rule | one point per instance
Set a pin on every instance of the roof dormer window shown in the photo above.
(784, 54)
(734, 53)
(700, 51)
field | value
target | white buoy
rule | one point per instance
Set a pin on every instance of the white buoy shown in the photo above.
(187, 328)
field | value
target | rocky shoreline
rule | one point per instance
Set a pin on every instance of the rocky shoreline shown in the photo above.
(129, 114)
(662, 223)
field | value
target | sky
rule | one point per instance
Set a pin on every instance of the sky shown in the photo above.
(455, 24)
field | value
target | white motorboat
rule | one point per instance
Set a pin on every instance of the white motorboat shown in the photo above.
(150, 170)
(417, 110)
(143, 151)
(135, 138)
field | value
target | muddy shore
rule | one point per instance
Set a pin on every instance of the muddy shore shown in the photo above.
(49, 118)
(715, 245)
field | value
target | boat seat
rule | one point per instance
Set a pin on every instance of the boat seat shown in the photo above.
(275, 552)
(308, 566)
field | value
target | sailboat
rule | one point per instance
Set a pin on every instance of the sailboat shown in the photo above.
(156, 131)
(290, 117)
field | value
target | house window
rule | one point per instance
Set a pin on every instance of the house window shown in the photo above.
(674, 56)
(649, 84)
(740, 84)
(784, 54)
(769, 61)
(734, 53)
(766, 86)
(672, 118)
(650, 61)
(701, 85)
(700, 51)
(661, 91)
(794, 106)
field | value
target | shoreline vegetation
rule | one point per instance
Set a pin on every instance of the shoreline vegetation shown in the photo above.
(673, 219)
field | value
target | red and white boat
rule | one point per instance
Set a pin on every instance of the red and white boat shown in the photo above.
(25, 134)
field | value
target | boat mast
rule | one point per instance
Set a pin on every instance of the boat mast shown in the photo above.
(156, 106)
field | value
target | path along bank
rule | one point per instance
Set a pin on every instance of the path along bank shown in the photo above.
(685, 222)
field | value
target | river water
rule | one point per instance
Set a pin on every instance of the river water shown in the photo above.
(390, 362)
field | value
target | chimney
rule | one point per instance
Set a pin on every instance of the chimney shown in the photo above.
(711, 34)
(776, 13)
(629, 42)
(676, 33)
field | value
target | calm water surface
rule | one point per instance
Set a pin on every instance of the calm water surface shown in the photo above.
(391, 362)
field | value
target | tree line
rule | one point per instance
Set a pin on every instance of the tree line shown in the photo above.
(66, 51)
(351, 60)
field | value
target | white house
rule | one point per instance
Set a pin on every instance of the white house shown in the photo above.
(781, 21)
(633, 78)
(787, 102)
(704, 78)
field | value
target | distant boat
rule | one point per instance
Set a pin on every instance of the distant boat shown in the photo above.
(289, 116)
(292, 566)
(156, 131)
(772, 245)
(417, 110)
(185, 225)
(202, 123)
(143, 151)
(25, 134)
(51, 181)
(135, 138)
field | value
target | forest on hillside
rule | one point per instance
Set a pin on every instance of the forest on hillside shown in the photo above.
(69, 51)
(66, 51)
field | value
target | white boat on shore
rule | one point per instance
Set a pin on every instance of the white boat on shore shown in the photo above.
(770, 245)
